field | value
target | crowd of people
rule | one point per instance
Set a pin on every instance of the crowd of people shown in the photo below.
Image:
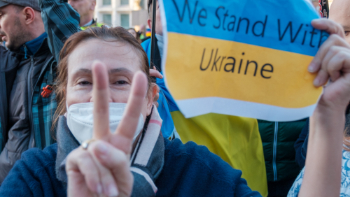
(84, 112)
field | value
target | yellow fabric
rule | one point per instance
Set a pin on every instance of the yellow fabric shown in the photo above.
(233, 68)
(235, 139)
(93, 25)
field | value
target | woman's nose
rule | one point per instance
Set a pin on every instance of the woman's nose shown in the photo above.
(109, 100)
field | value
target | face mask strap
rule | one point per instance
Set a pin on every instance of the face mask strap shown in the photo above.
(145, 126)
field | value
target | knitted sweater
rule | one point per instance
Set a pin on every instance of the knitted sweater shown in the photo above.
(189, 170)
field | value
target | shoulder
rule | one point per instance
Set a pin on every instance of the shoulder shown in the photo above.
(34, 173)
(36, 161)
(46, 156)
(145, 44)
(8, 59)
(185, 163)
(192, 155)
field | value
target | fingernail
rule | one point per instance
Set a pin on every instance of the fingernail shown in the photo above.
(312, 67)
(99, 189)
(317, 82)
(112, 190)
(102, 148)
(317, 21)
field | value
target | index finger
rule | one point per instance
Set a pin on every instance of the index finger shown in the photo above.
(100, 99)
(155, 73)
(328, 26)
(336, 37)
(128, 125)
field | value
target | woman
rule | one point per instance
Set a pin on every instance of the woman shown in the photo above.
(142, 164)
(157, 165)
(345, 168)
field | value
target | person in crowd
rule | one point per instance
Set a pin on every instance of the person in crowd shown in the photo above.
(86, 9)
(27, 73)
(338, 13)
(57, 16)
(142, 33)
(133, 32)
(278, 141)
(136, 159)
(235, 139)
(168, 125)
(316, 4)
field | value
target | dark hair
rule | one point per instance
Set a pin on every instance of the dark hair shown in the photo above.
(117, 34)
(149, 5)
(150, 8)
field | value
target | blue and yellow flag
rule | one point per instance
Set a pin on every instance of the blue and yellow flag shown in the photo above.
(241, 57)
(223, 59)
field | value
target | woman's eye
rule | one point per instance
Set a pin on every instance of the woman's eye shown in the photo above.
(84, 83)
(347, 33)
(121, 82)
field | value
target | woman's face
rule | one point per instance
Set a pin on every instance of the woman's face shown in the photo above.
(122, 63)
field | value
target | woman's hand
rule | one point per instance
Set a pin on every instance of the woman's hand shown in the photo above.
(103, 168)
(155, 73)
(324, 154)
(332, 62)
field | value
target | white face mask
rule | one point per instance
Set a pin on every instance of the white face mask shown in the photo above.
(160, 44)
(80, 119)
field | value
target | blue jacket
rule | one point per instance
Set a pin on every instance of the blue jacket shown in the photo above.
(189, 170)
(166, 103)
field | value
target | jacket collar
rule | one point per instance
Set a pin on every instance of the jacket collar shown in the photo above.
(34, 47)
(89, 23)
(66, 143)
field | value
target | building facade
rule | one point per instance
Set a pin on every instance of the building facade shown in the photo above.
(125, 13)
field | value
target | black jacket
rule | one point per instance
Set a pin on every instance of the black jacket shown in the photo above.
(41, 66)
(300, 146)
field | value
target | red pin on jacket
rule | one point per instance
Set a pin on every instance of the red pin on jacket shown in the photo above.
(47, 90)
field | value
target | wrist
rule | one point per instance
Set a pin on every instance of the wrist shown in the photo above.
(326, 128)
(329, 109)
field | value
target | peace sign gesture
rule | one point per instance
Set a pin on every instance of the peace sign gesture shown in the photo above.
(103, 167)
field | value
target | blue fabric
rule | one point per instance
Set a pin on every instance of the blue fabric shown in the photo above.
(34, 175)
(182, 20)
(189, 170)
(192, 170)
(166, 103)
(300, 145)
(43, 109)
(31, 47)
(61, 21)
(146, 45)
(35, 44)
